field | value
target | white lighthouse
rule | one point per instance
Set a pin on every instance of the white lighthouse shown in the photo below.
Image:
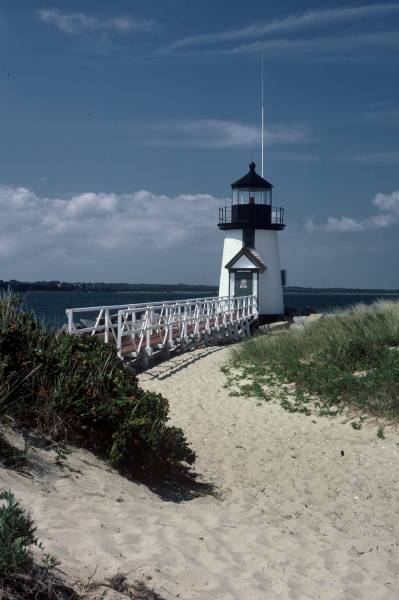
(251, 260)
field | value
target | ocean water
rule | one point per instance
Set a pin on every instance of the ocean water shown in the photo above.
(328, 302)
(50, 306)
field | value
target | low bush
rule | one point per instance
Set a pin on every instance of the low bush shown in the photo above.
(347, 359)
(20, 577)
(17, 535)
(23, 579)
(75, 389)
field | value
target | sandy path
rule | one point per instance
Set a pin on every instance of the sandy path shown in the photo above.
(297, 520)
(294, 520)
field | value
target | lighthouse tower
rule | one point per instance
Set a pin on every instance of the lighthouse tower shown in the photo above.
(251, 260)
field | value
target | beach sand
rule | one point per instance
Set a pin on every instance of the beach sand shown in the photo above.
(292, 518)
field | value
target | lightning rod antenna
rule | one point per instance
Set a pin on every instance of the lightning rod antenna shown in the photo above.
(262, 118)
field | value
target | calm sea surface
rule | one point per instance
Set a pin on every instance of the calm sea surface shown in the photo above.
(50, 306)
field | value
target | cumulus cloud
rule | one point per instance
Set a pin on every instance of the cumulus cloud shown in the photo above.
(386, 204)
(217, 133)
(78, 22)
(112, 236)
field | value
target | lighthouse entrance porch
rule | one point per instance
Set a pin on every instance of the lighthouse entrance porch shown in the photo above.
(243, 283)
(243, 273)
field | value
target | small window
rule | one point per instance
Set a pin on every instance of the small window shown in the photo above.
(248, 238)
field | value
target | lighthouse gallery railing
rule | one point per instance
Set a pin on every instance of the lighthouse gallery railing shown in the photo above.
(276, 215)
(153, 327)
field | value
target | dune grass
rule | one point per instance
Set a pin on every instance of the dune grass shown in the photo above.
(21, 578)
(24, 577)
(344, 360)
(75, 389)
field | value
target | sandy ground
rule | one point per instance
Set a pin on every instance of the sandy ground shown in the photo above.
(292, 517)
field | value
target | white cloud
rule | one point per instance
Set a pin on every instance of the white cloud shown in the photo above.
(387, 205)
(388, 202)
(343, 225)
(290, 24)
(78, 22)
(332, 46)
(157, 238)
(217, 133)
(90, 235)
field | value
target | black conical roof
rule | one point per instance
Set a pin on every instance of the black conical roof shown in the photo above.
(252, 180)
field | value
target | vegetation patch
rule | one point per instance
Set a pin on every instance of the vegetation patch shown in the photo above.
(20, 577)
(135, 591)
(75, 389)
(346, 360)
(11, 457)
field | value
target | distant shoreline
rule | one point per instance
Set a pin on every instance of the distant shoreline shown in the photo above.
(346, 293)
(211, 292)
(155, 288)
(60, 286)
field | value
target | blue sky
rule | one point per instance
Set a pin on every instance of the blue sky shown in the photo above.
(122, 125)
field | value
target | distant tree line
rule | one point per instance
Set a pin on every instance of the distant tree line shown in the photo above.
(338, 290)
(49, 286)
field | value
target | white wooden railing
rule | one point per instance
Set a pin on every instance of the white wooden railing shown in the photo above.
(105, 318)
(164, 327)
(148, 328)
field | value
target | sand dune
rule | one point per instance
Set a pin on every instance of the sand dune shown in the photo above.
(291, 519)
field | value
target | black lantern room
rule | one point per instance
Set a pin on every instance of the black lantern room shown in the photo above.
(251, 206)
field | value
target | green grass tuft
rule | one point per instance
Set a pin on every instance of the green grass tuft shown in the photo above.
(346, 360)
(20, 577)
(17, 535)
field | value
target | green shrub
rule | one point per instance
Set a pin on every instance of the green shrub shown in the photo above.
(75, 389)
(17, 535)
(20, 577)
(380, 432)
(347, 359)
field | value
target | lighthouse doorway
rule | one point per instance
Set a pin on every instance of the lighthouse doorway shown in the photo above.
(243, 283)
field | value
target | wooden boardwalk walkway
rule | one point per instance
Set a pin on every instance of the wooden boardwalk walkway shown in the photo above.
(142, 331)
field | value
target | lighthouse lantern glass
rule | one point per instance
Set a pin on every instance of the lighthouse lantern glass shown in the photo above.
(251, 196)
